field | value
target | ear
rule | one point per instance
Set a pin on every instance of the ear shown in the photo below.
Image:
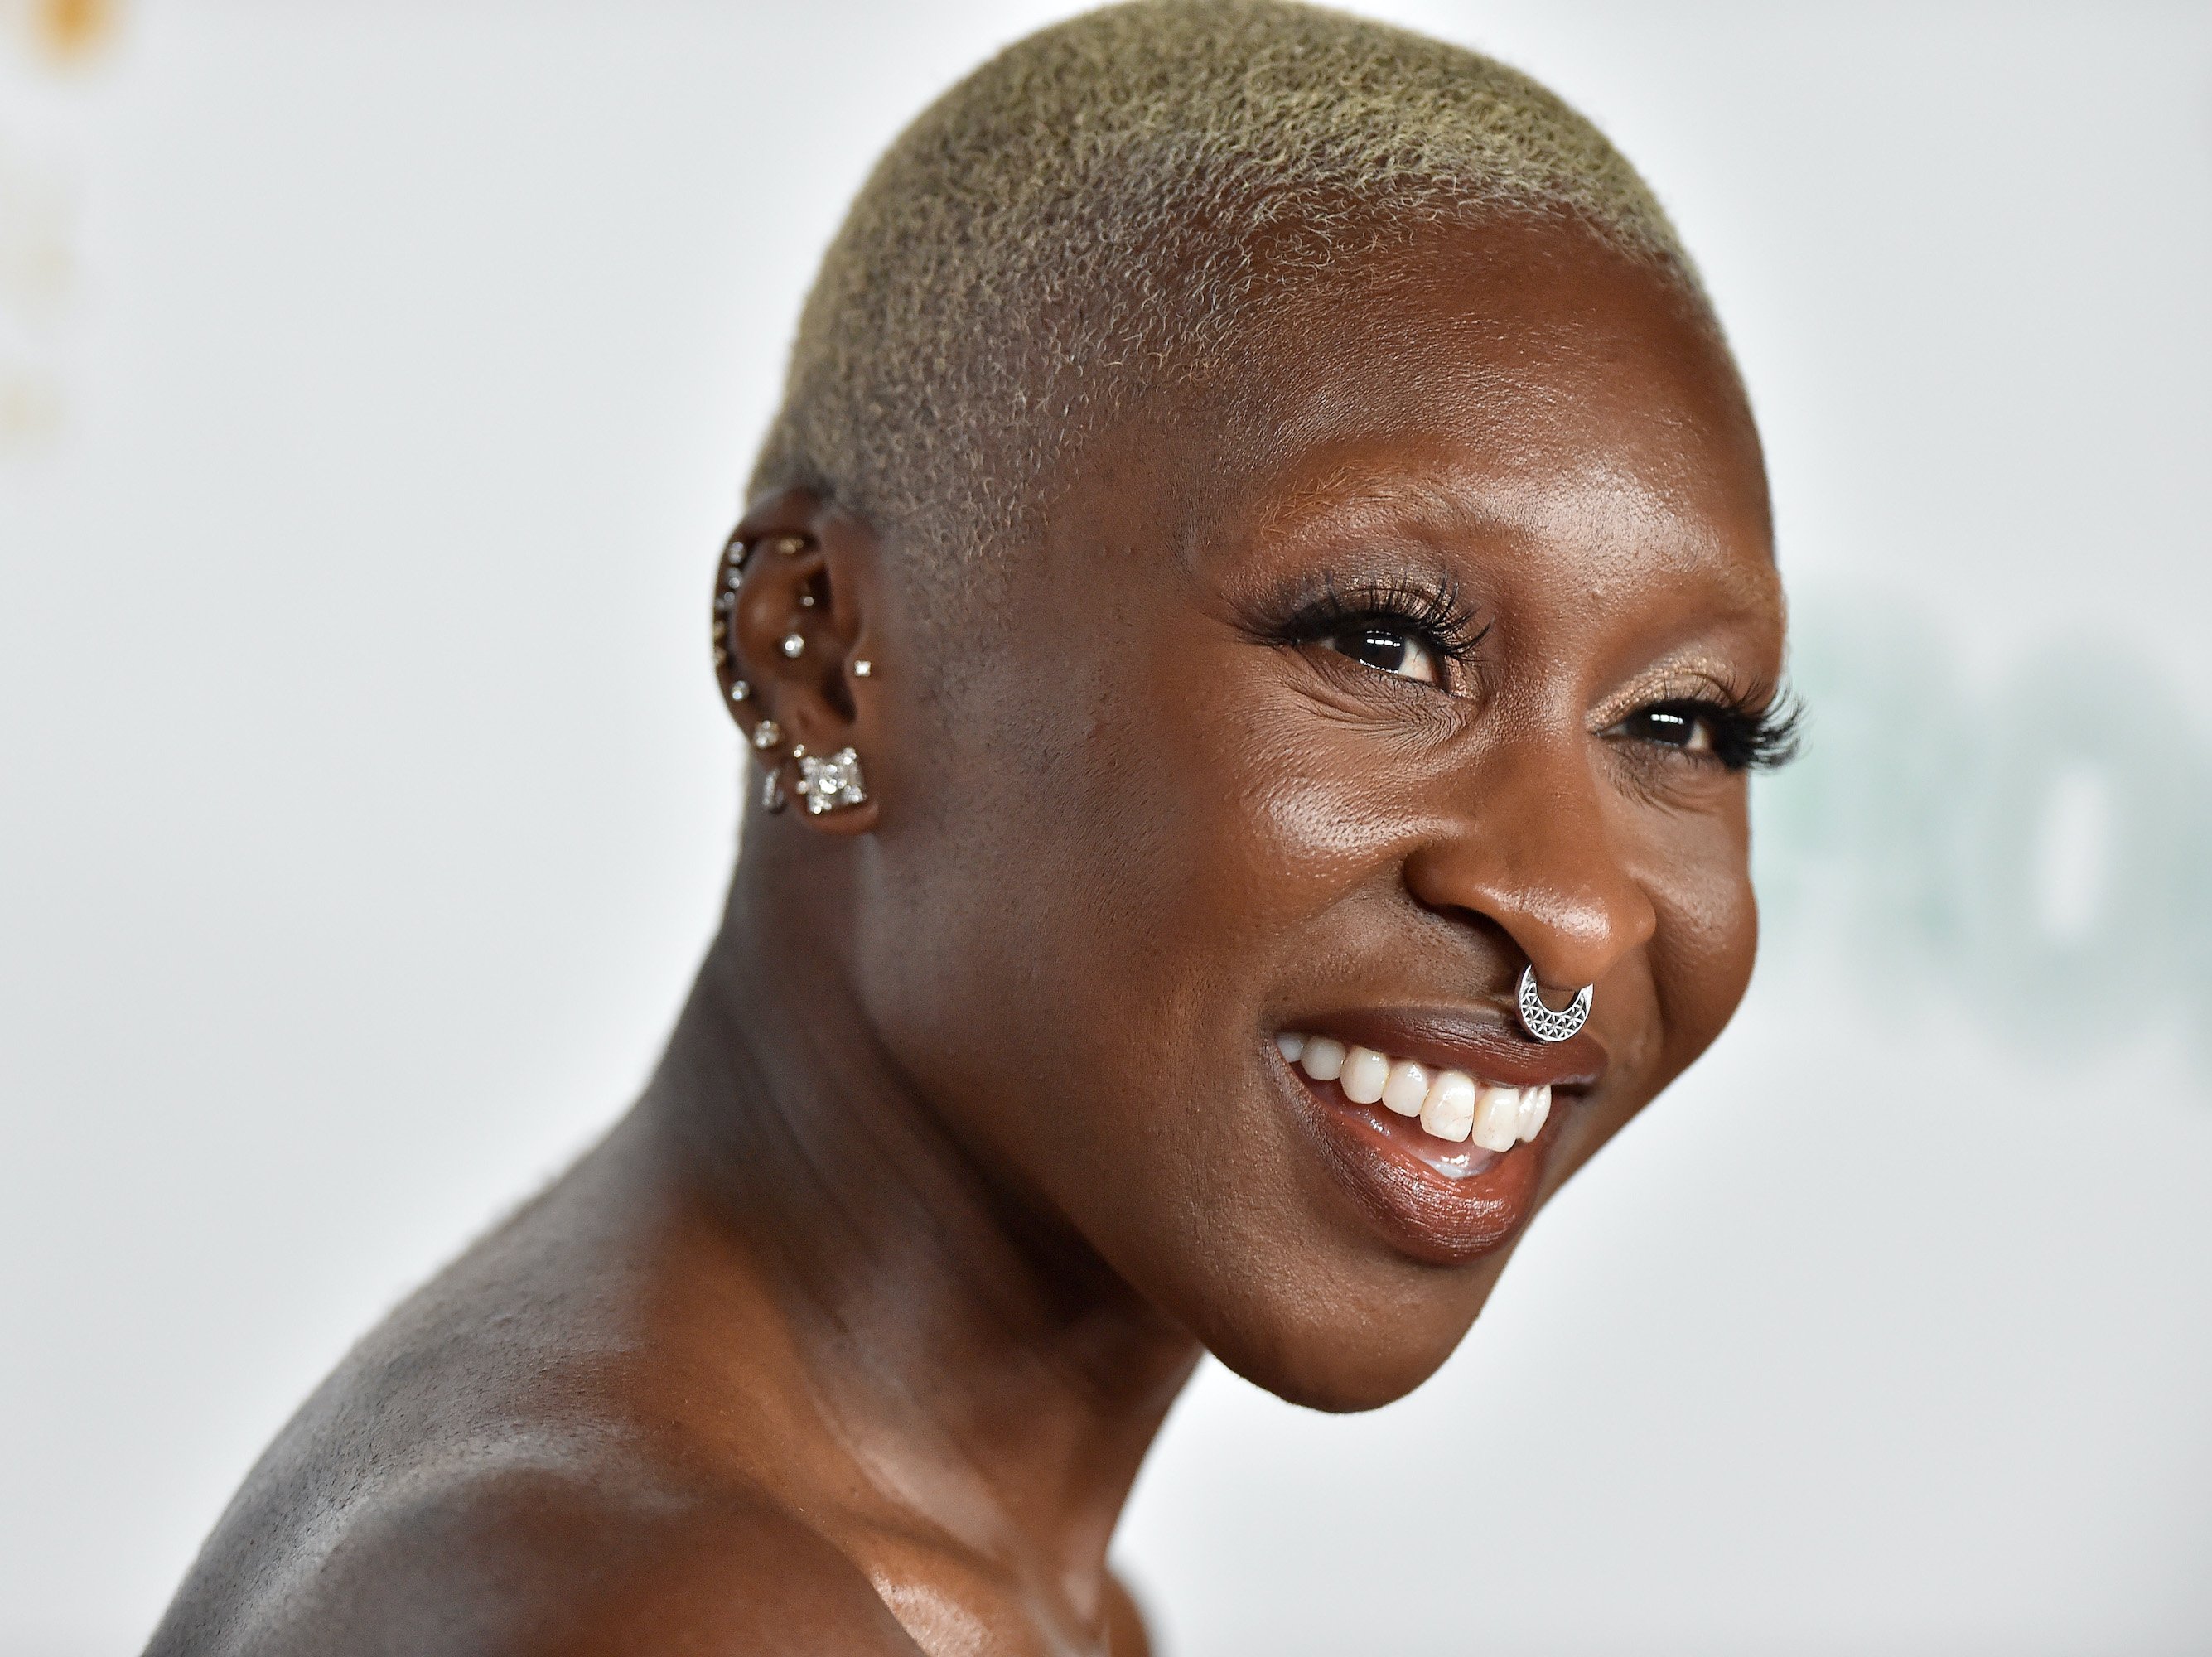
(791, 652)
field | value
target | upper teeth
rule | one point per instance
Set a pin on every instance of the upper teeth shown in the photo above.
(1451, 1104)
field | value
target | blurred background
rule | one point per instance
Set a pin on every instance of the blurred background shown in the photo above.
(375, 385)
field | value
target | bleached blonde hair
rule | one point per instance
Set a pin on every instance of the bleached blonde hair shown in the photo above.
(1095, 213)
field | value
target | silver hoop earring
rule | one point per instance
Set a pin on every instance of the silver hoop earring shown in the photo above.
(1541, 1021)
(832, 784)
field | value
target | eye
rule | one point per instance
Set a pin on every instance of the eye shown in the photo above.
(1749, 732)
(1683, 726)
(1388, 649)
(1411, 627)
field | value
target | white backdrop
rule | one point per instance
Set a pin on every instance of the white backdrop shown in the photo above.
(375, 382)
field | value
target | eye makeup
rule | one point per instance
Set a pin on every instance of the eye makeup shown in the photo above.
(1706, 714)
(1409, 626)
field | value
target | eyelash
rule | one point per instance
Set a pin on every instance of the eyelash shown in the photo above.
(1750, 731)
(1438, 618)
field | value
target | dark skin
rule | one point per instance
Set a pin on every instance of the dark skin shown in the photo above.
(853, 1335)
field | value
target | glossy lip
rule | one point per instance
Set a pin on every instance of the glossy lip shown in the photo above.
(1453, 1212)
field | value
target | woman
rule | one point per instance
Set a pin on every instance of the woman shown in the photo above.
(1252, 620)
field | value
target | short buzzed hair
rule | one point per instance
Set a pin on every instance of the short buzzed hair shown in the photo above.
(1092, 214)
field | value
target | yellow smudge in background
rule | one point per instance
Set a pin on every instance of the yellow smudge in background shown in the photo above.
(71, 31)
(39, 253)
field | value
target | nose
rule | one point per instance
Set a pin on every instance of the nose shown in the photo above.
(1527, 846)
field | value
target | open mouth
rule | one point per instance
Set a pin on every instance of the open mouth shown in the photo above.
(1452, 1107)
(1435, 1123)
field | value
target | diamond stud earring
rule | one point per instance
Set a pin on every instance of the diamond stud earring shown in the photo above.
(767, 734)
(793, 645)
(832, 784)
(863, 668)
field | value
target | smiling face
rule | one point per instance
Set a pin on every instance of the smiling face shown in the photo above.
(1427, 646)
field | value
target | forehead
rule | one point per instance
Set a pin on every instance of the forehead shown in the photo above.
(1514, 377)
(1517, 396)
(1512, 371)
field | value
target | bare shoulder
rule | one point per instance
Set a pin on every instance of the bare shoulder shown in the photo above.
(540, 1562)
(514, 1464)
(1125, 1633)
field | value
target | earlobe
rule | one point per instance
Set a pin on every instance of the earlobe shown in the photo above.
(834, 784)
(789, 606)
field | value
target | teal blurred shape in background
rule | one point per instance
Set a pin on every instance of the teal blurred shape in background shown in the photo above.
(2032, 851)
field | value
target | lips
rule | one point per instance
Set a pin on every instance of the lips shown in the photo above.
(1433, 1122)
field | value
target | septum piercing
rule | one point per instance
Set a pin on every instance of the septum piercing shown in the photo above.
(1544, 1023)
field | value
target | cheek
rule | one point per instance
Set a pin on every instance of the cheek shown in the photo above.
(1103, 896)
(1272, 827)
(1707, 935)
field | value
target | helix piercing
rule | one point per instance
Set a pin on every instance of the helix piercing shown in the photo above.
(1544, 1023)
(739, 691)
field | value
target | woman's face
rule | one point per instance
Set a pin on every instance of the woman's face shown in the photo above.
(1427, 646)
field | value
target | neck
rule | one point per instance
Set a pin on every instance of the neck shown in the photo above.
(992, 1377)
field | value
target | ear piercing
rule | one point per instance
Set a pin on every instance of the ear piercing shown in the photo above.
(833, 783)
(789, 545)
(1539, 1020)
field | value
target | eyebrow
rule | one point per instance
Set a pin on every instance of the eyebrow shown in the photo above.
(1351, 487)
(1414, 503)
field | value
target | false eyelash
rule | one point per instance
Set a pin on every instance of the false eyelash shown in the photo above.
(1752, 730)
(1438, 614)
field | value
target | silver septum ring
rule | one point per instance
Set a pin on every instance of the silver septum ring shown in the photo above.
(1541, 1021)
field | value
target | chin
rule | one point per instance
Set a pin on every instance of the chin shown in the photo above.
(1339, 1348)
